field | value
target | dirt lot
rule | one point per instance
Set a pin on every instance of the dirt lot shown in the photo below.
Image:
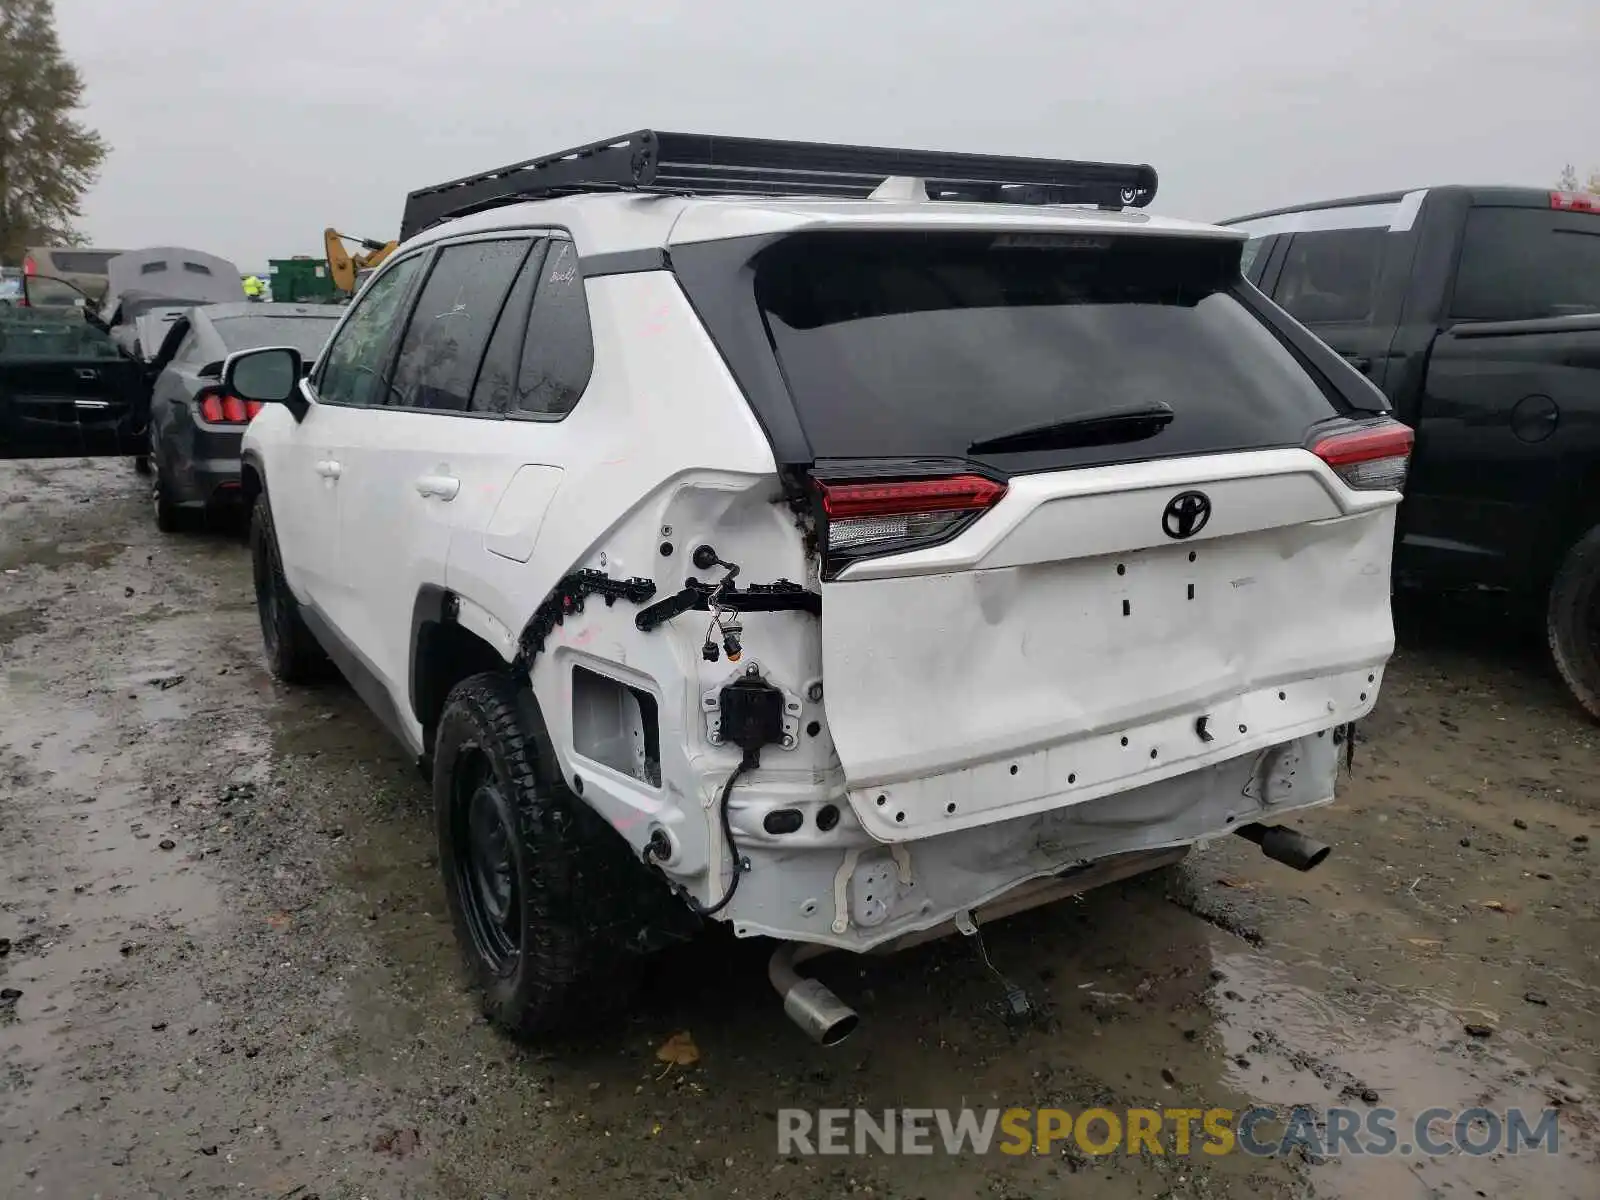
(221, 908)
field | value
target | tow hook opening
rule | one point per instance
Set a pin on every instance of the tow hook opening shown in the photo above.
(1285, 845)
(809, 1003)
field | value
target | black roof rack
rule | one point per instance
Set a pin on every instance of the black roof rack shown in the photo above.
(699, 164)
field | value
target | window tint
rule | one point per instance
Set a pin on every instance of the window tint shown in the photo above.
(1247, 258)
(87, 262)
(558, 355)
(305, 334)
(188, 349)
(918, 344)
(1523, 263)
(1332, 275)
(497, 378)
(349, 369)
(451, 323)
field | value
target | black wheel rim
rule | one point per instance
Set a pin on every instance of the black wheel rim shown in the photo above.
(483, 865)
(266, 594)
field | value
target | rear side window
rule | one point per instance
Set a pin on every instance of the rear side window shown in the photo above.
(451, 324)
(1332, 275)
(1524, 263)
(558, 354)
(914, 344)
(86, 262)
(1250, 261)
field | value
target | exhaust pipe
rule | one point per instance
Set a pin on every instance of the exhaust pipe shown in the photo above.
(826, 1019)
(1285, 845)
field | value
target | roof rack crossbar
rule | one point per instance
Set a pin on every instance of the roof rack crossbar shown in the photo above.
(701, 164)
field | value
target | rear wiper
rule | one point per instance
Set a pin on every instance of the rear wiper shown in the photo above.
(1096, 427)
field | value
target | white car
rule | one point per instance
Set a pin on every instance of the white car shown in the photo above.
(822, 540)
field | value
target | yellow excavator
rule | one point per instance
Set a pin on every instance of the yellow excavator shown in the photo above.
(342, 265)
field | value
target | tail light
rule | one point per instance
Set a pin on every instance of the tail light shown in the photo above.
(1371, 457)
(29, 267)
(1575, 201)
(217, 408)
(892, 516)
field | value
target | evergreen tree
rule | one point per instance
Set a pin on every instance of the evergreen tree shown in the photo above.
(48, 158)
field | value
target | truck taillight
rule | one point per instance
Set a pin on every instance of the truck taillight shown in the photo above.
(893, 516)
(219, 409)
(1575, 201)
(29, 267)
(1370, 457)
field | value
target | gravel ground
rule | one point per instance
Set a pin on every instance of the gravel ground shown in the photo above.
(220, 905)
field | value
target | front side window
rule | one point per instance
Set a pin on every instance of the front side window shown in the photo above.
(1520, 264)
(451, 324)
(354, 360)
(1332, 275)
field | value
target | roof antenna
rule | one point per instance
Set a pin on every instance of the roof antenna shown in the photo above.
(901, 187)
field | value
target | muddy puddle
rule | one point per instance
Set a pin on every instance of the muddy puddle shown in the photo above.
(236, 977)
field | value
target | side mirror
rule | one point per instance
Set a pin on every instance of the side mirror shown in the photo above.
(270, 375)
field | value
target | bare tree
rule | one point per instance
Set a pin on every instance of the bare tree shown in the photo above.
(48, 158)
(1569, 181)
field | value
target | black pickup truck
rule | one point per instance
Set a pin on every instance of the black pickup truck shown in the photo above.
(1477, 311)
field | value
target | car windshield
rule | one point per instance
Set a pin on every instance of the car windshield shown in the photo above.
(305, 334)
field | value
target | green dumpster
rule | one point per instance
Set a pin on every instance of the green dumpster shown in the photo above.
(301, 280)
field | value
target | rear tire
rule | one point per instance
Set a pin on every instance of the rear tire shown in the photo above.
(1572, 621)
(169, 517)
(292, 653)
(542, 893)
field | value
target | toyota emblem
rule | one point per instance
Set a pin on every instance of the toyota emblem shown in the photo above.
(1186, 514)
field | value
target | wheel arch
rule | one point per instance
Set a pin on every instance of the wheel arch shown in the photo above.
(443, 653)
(252, 478)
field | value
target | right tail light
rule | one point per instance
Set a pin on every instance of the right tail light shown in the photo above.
(219, 408)
(1371, 457)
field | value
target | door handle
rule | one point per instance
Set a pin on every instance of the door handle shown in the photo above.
(439, 487)
(1359, 361)
(328, 468)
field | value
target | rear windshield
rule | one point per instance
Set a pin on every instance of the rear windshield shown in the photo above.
(305, 334)
(899, 344)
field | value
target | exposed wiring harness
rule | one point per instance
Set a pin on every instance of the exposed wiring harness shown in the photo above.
(652, 852)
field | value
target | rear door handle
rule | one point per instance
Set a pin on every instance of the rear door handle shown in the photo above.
(1359, 361)
(328, 468)
(438, 487)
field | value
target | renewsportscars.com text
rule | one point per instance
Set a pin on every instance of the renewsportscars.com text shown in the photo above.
(1263, 1132)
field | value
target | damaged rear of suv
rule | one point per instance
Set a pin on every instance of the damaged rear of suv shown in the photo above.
(912, 553)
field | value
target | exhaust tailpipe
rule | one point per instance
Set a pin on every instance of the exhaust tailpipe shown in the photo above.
(1285, 845)
(826, 1019)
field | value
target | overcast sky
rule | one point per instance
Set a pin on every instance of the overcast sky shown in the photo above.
(243, 127)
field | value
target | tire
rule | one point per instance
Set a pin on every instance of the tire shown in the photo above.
(169, 517)
(543, 894)
(141, 464)
(292, 653)
(1572, 621)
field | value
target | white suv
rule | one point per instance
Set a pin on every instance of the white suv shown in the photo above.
(850, 567)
